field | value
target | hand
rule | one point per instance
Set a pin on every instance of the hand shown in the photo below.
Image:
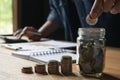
(100, 6)
(29, 32)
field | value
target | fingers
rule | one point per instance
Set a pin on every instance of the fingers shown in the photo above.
(96, 9)
(29, 32)
(101, 6)
(30, 28)
(108, 4)
(17, 32)
(22, 32)
(116, 8)
(35, 38)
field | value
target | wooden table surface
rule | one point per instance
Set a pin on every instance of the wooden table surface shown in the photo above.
(10, 68)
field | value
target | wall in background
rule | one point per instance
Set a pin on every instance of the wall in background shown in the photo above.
(34, 12)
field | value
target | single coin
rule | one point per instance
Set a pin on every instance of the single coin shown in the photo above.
(91, 21)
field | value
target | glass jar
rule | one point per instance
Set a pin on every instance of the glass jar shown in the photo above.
(91, 51)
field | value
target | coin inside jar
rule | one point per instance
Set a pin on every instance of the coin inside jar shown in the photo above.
(91, 51)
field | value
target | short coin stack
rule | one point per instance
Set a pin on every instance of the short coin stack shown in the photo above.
(27, 70)
(53, 67)
(40, 68)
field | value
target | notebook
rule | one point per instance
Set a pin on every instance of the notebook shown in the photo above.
(45, 54)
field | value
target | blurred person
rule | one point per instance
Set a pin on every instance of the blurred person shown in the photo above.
(71, 14)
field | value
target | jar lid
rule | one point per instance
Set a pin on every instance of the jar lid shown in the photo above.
(91, 32)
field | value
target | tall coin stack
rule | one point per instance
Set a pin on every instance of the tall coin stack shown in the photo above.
(66, 65)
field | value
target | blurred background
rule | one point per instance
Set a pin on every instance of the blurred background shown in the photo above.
(15, 14)
(6, 17)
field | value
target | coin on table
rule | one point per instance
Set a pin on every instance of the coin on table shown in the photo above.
(40, 68)
(53, 67)
(66, 65)
(27, 70)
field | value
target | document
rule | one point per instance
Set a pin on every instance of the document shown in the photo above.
(38, 45)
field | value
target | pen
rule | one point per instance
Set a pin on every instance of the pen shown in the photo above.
(36, 33)
(30, 32)
(12, 47)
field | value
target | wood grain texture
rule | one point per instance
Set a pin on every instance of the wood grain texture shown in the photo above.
(10, 68)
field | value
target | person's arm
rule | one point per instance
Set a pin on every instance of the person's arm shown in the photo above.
(35, 35)
(48, 28)
(52, 23)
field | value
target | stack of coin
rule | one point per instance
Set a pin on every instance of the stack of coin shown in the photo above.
(27, 70)
(53, 67)
(40, 68)
(66, 65)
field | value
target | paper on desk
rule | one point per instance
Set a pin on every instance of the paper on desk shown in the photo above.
(39, 45)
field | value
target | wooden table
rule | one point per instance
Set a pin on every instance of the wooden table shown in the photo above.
(10, 68)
